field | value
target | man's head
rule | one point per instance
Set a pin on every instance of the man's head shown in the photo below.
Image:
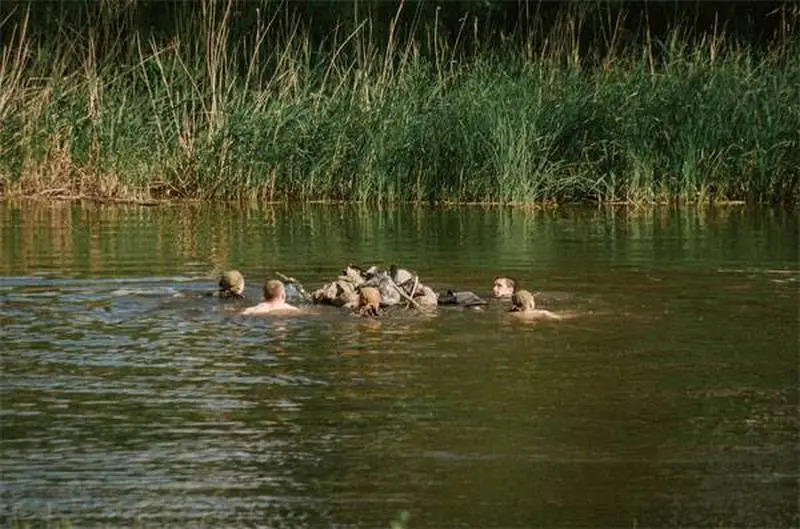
(503, 287)
(231, 284)
(523, 301)
(274, 291)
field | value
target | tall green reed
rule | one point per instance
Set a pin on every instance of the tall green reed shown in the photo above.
(276, 115)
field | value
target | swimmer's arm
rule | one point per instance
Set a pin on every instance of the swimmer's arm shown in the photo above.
(547, 315)
(562, 315)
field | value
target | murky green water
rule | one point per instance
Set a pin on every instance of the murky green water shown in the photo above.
(670, 401)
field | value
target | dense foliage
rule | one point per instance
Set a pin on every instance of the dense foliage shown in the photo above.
(401, 101)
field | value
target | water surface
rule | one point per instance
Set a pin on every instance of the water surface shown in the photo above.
(130, 397)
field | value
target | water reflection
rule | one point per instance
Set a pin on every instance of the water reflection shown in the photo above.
(128, 395)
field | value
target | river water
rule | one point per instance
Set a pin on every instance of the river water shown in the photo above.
(130, 398)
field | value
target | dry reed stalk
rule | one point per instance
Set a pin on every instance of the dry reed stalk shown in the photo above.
(13, 62)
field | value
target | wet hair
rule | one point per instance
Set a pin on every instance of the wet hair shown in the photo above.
(273, 289)
(522, 301)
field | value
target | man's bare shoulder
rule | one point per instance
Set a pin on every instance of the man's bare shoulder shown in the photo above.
(261, 308)
(268, 308)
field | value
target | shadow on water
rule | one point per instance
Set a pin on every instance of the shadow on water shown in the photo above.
(130, 397)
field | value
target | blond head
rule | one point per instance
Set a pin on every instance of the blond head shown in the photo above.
(274, 290)
(522, 301)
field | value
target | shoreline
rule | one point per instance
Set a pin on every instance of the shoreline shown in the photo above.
(543, 205)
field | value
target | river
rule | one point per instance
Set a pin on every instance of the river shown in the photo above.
(131, 398)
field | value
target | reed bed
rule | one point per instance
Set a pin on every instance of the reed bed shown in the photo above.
(275, 115)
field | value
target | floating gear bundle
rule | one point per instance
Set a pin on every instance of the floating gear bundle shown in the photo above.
(374, 288)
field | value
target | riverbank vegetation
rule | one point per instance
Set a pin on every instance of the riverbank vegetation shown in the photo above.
(248, 100)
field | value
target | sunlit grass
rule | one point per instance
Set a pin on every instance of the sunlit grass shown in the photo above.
(201, 116)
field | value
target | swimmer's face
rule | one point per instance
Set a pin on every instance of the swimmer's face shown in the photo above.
(503, 287)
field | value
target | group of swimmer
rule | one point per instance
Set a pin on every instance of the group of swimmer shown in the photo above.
(231, 286)
(368, 292)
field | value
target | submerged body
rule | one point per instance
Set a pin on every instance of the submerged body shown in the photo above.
(274, 301)
(524, 307)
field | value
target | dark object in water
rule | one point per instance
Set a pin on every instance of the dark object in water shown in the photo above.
(464, 298)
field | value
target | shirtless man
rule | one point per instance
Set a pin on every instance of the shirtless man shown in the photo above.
(274, 301)
(503, 287)
(524, 307)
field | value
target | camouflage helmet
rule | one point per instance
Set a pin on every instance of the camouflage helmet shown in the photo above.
(231, 284)
(370, 297)
(370, 301)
